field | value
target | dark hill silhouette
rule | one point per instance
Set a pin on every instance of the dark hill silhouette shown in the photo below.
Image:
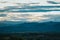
(30, 27)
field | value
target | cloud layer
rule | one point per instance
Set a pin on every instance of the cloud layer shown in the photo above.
(6, 8)
(31, 17)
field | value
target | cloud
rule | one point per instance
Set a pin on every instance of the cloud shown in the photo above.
(53, 2)
(3, 15)
(22, 17)
(32, 17)
(24, 1)
(28, 16)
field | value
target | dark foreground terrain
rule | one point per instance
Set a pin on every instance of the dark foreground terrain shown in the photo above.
(30, 36)
(30, 31)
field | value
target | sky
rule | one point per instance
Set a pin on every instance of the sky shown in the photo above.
(14, 2)
(4, 3)
(29, 16)
(23, 1)
(29, 1)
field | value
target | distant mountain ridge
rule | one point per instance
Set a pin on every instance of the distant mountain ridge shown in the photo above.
(31, 27)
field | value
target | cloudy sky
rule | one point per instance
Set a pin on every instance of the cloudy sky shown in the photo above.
(29, 16)
(4, 3)
(24, 1)
(28, 1)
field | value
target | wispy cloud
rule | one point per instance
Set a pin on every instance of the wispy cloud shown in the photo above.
(53, 2)
(32, 17)
(13, 10)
